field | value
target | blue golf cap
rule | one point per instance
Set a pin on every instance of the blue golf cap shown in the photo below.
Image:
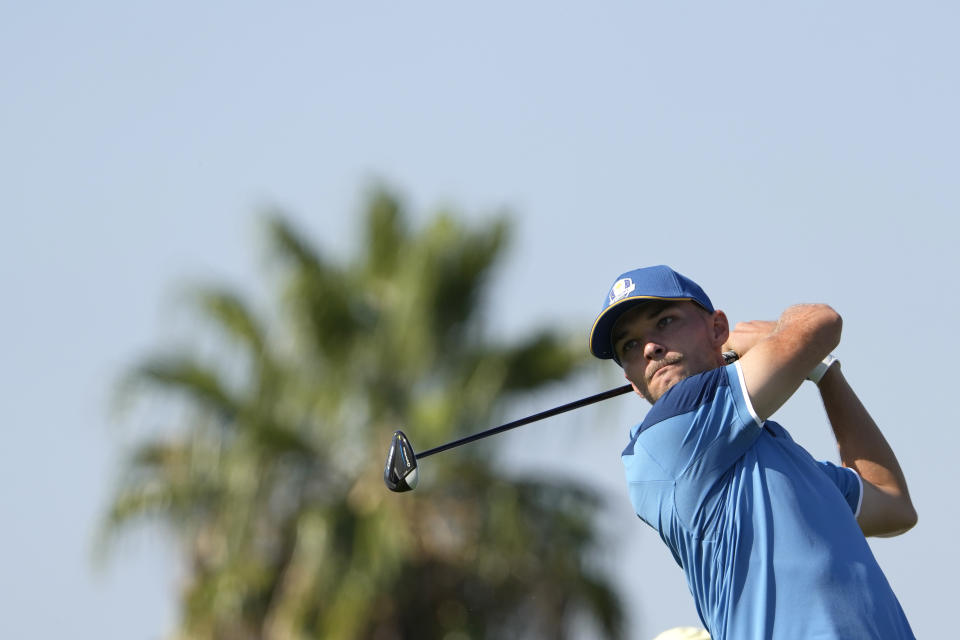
(636, 287)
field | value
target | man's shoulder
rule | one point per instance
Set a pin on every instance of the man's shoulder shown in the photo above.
(689, 395)
(680, 404)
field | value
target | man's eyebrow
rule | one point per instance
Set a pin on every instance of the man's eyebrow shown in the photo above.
(654, 309)
(618, 336)
(649, 311)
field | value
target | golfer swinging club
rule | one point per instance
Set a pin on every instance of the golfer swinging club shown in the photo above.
(771, 541)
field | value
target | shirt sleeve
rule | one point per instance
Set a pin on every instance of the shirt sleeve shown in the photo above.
(699, 430)
(728, 426)
(701, 426)
(848, 482)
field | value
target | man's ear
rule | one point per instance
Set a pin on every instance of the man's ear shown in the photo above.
(721, 328)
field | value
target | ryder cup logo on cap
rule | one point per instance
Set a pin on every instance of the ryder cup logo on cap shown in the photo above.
(620, 289)
(636, 287)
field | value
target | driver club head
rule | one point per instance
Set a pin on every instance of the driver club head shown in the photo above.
(400, 473)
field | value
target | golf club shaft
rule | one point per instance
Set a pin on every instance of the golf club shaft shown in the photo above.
(576, 404)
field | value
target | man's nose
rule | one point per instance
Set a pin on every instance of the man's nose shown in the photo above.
(653, 351)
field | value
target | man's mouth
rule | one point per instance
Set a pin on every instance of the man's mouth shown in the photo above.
(662, 367)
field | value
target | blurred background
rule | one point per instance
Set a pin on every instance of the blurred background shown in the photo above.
(243, 243)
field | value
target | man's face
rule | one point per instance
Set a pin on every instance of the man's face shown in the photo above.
(660, 344)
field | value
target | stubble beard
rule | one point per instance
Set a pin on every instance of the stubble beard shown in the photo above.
(660, 364)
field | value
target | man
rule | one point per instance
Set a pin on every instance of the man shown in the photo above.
(771, 541)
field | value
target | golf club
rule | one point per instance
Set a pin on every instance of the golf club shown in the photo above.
(400, 472)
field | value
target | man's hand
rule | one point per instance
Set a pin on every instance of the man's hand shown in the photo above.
(778, 356)
(746, 334)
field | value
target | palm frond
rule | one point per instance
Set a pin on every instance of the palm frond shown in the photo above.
(386, 233)
(542, 358)
(233, 317)
(287, 244)
(461, 266)
(199, 383)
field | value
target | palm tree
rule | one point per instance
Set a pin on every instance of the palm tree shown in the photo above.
(270, 476)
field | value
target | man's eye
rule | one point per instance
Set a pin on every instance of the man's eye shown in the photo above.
(665, 321)
(629, 344)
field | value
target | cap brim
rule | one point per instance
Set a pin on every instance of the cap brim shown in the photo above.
(601, 342)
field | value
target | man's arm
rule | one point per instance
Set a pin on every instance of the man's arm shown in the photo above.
(775, 357)
(886, 509)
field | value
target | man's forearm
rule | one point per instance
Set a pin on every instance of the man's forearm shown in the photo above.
(864, 449)
(820, 323)
(776, 357)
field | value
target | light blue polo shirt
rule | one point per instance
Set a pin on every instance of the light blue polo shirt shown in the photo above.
(766, 535)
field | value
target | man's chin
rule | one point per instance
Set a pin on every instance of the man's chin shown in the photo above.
(672, 378)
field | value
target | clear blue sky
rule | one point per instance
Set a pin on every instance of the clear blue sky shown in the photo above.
(777, 154)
